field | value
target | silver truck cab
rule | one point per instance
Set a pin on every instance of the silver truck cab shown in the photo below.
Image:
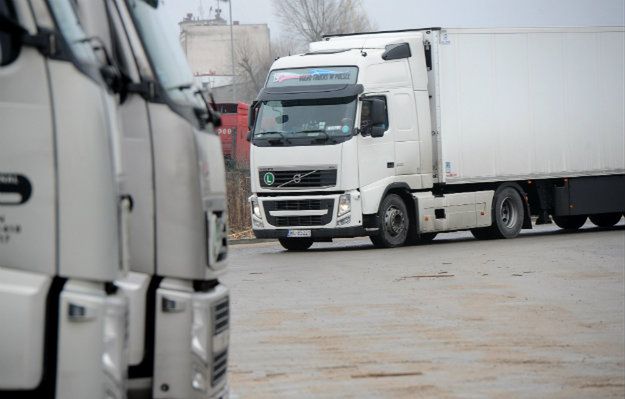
(179, 311)
(62, 211)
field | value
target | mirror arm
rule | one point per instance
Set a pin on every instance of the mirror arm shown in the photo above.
(213, 117)
(44, 40)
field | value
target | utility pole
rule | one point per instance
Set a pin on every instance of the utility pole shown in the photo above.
(234, 90)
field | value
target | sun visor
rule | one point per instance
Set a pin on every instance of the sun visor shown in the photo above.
(309, 92)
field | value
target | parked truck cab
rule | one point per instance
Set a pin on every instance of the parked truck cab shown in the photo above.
(62, 210)
(179, 312)
(402, 135)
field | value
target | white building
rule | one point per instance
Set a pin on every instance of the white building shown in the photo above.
(207, 45)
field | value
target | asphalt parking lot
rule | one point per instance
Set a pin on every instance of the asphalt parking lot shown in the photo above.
(538, 316)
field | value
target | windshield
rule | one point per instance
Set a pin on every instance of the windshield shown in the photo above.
(305, 122)
(168, 60)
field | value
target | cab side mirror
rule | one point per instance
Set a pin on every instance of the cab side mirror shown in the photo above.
(378, 112)
(11, 36)
(378, 130)
(251, 115)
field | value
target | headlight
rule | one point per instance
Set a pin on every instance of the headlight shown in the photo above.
(345, 204)
(199, 331)
(257, 223)
(198, 382)
(114, 342)
(256, 208)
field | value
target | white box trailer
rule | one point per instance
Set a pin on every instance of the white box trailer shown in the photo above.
(400, 135)
(529, 103)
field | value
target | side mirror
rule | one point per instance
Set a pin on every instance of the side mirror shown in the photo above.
(378, 130)
(11, 39)
(249, 136)
(378, 112)
(251, 116)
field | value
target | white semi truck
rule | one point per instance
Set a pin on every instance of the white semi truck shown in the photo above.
(62, 212)
(179, 312)
(405, 134)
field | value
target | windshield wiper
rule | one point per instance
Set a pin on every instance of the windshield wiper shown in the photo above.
(282, 135)
(327, 136)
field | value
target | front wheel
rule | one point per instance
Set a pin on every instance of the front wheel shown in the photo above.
(423, 238)
(605, 219)
(393, 223)
(296, 244)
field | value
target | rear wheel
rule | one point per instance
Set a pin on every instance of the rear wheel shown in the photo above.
(296, 244)
(569, 222)
(393, 223)
(605, 219)
(508, 214)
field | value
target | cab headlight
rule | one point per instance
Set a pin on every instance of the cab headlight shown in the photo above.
(256, 208)
(199, 331)
(345, 204)
(114, 342)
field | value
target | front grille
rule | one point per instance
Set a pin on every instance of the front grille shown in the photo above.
(299, 205)
(297, 178)
(296, 205)
(220, 367)
(286, 221)
(221, 314)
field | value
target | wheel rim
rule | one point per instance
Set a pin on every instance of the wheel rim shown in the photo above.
(394, 221)
(509, 213)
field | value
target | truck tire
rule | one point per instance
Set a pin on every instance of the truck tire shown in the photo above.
(605, 219)
(508, 213)
(393, 223)
(423, 238)
(484, 233)
(569, 222)
(296, 244)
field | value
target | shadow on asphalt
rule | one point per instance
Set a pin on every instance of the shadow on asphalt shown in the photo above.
(441, 240)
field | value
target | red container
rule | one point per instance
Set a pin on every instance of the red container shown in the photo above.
(233, 133)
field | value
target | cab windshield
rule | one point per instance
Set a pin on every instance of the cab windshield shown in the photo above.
(305, 122)
(168, 60)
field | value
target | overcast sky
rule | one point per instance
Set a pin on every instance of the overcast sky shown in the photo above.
(403, 14)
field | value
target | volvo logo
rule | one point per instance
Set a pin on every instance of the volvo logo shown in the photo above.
(269, 178)
(297, 179)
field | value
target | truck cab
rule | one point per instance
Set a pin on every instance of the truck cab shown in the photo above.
(233, 133)
(63, 210)
(355, 117)
(179, 311)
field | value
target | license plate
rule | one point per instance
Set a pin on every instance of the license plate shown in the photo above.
(298, 233)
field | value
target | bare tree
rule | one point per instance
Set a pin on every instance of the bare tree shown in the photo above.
(253, 63)
(309, 20)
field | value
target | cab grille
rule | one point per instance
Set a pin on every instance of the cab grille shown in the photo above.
(299, 205)
(221, 312)
(220, 367)
(280, 179)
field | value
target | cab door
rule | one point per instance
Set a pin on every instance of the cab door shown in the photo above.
(376, 155)
(28, 164)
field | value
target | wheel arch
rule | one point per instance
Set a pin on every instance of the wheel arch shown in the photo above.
(403, 190)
